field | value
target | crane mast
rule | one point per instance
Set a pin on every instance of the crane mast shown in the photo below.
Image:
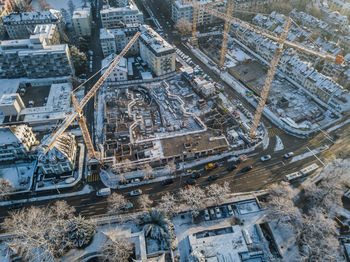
(268, 80)
(78, 107)
(194, 24)
(229, 9)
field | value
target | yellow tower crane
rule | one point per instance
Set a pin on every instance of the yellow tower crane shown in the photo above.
(194, 24)
(78, 107)
(229, 9)
(282, 41)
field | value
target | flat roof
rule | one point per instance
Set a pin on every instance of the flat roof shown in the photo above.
(199, 142)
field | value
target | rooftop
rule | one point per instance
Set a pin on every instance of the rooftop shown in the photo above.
(81, 14)
(199, 142)
(42, 15)
(153, 40)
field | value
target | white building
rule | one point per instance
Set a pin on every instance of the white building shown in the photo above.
(11, 104)
(46, 34)
(21, 25)
(120, 72)
(61, 158)
(156, 52)
(118, 16)
(114, 40)
(16, 142)
(82, 22)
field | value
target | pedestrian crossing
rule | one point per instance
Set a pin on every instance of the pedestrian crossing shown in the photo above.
(275, 132)
(316, 142)
(93, 178)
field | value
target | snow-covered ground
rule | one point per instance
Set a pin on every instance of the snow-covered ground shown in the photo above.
(279, 144)
(235, 55)
(309, 154)
(19, 175)
(60, 4)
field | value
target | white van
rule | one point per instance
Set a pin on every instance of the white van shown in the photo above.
(104, 192)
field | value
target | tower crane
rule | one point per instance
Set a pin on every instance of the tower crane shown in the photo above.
(194, 24)
(281, 40)
(229, 9)
(78, 107)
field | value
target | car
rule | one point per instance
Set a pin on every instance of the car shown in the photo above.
(246, 169)
(136, 192)
(231, 168)
(206, 215)
(135, 180)
(230, 210)
(195, 175)
(103, 192)
(167, 181)
(218, 212)
(190, 182)
(265, 158)
(212, 213)
(288, 155)
(213, 177)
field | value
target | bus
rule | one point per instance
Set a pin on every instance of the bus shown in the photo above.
(303, 172)
(309, 169)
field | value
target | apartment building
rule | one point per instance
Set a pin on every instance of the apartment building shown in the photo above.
(120, 72)
(22, 25)
(82, 22)
(34, 58)
(61, 158)
(113, 40)
(156, 52)
(16, 142)
(116, 16)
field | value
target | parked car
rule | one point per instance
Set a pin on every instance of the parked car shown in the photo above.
(212, 213)
(230, 210)
(231, 168)
(213, 177)
(167, 181)
(288, 155)
(190, 182)
(135, 180)
(218, 212)
(104, 192)
(246, 169)
(265, 158)
(206, 215)
(195, 175)
(136, 192)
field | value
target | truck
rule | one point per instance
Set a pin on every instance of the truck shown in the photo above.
(104, 192)
(210, 166)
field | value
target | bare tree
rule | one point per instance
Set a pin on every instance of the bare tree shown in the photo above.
(193, 198)
(218, 193)
(168, 204)
(326, 195)
(147, 172)
(183, 26)
(44, 5)
(5, 188)
(117, 203)
(281, 205)
(116, 250)
(43, 234)
(318, 239)
(144, 202)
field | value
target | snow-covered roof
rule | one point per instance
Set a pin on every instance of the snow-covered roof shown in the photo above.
(154, 41)
(51, 14)
(122, 65)
(44, 31)
(10, 135)
(81, 14)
